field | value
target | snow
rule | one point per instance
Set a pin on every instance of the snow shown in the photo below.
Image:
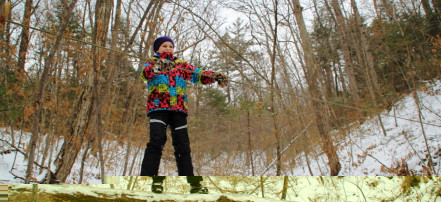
(113, 194)
(404, 140)
(301, 188)
(366, 151)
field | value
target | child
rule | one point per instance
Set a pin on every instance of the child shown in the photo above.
(167, 104)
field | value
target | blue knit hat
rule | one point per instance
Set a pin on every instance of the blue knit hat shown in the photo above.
(160, 40)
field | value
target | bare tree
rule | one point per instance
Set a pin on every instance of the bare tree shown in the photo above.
(66, 14)
(72, 145)
(312, 74)
(344, 39)
(24, 37)
(273, 78)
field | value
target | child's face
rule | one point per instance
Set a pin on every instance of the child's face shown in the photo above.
(166, 47)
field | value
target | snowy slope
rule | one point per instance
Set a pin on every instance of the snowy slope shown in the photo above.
(366, 151)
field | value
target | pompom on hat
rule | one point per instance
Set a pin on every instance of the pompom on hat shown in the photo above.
(160, 40)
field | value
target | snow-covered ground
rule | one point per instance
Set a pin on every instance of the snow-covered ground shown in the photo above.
(365, 151)
(105, 192)
(301, 188)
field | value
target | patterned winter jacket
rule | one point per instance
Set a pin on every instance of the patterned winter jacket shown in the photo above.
(167, 90)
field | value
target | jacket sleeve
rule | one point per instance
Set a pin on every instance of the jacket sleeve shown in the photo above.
(195, 75)
(147, 72)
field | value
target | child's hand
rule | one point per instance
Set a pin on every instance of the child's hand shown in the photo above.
(221, 79)
(165, 65)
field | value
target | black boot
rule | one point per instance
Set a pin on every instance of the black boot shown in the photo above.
(198, 189)
(157, 187)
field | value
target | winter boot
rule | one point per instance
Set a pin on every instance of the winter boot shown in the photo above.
(157, 187)
(198, 189)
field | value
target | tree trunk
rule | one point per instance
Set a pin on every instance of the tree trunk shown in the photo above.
(285, 187)
(273, 80)
(366, 51)
(417, 103)
(433, 17)
(128, 152)
(83, 160)
(5, 14)
(100, 138)
(134, 158)
(113, 58)
(101, 91)
(346, 49)
(5, 8)
(66, 13)
(367, 60)
(305, 148)
(328, 75)
(24, 36)
(311, 73)
(46, 151)
(129, 128)
(130, 182)
(73, 141)
(250, 145)
(423, 132)
(88, 98)
(34, 192)
(52, 148)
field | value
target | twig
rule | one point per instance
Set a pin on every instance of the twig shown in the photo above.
(16, 176)
(217, 187)
(368, 153)
(358, 188)
(408, 141)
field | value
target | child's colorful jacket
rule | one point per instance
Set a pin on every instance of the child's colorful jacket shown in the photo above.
(167, 90)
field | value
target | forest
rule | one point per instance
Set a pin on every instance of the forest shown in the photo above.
(301, 73)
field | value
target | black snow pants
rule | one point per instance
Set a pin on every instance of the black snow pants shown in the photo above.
(159, 120)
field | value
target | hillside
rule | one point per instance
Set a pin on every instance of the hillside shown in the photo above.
(366, 151)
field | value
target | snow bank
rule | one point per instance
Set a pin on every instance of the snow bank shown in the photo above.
(69, 192)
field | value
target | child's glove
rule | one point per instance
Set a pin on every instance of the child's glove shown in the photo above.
(221, 79)
(163, 65)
